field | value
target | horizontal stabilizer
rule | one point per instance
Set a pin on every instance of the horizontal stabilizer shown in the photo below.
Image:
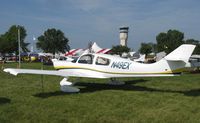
(182, 53)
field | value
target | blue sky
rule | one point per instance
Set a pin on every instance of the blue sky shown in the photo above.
(83, 21)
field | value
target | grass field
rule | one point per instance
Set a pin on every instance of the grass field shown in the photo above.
(143, 100)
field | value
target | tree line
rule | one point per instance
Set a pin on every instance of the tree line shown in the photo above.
(167, 42)
(52, 41)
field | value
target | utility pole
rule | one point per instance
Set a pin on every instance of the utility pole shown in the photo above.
(19, 46)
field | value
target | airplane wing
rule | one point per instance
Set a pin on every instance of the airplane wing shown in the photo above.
(15, 72)
(32, 71)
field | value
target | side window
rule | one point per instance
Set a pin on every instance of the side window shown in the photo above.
(102, 61)
(86, 59)
(74, 61)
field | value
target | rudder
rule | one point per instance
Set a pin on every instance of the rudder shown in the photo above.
(182, 53)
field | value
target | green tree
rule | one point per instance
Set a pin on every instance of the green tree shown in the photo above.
(53, 41)
(195, 42)
(169, 41)
(146, 48)
(119, 49)
(9, 40)
(2, 45)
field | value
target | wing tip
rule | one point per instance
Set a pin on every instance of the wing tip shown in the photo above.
(11, 71)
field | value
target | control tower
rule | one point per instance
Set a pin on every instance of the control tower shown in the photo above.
(123, 35)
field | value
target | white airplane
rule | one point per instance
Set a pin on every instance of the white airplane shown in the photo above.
(107, 66)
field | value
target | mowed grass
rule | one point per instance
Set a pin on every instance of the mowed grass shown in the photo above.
(143, 100)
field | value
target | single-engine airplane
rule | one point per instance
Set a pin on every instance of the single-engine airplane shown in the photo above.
(108, 66)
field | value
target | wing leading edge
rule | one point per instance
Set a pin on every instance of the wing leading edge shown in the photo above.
(54, 72)
(32, 71)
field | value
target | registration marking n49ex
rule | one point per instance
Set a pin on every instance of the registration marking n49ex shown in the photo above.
(121, 65)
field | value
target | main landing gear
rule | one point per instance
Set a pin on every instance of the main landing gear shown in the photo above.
(67, 86)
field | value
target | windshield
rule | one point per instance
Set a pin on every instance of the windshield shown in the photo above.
(86, 59)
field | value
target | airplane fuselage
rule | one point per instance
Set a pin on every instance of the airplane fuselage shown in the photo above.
(114, 67)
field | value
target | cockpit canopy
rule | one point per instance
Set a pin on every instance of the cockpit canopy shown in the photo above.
(92, 59)
(86, 59)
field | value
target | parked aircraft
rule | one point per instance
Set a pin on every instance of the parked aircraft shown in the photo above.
(107, 66)
(94, 48)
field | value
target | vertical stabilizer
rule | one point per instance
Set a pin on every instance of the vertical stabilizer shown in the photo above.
(182, 53)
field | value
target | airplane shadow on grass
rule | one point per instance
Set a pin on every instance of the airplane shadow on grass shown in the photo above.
(4, 100)
(128, 86)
